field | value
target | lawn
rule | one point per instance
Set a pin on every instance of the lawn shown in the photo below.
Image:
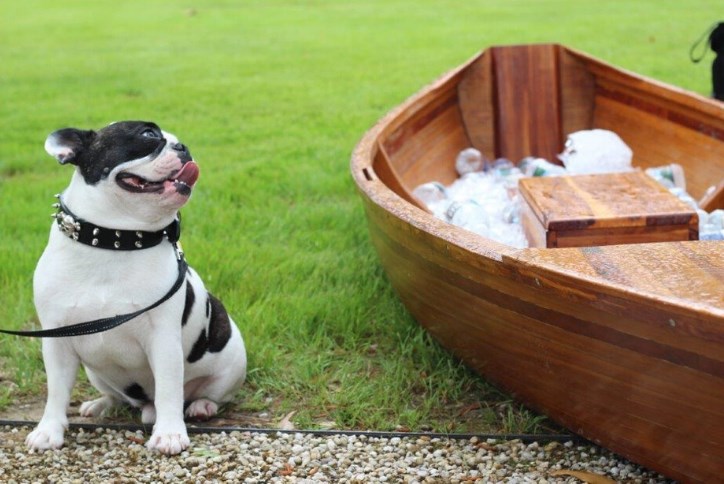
(271, 97)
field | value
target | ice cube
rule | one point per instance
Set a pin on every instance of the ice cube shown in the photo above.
(595, 151)
(717, 218)
(717, 235)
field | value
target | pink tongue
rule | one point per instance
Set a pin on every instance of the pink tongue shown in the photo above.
(189, 173)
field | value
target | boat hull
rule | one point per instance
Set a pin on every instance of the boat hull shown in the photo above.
(586, 336)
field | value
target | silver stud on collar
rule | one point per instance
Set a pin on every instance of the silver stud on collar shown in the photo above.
(96, 231)
(118, 234)
(94, 242)
(68, 225)
(138, 244)
(139, 235)
(116, 244)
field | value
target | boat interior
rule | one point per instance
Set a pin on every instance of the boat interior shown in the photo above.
(519, 101)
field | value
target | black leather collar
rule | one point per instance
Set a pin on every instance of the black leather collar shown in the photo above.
(111, 239)
(96, 236)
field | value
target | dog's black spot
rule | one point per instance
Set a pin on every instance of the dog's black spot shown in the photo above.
(136, 392)
(189, 304)
(199, 348)
(96, 154)
(219, 331)
(219, 326)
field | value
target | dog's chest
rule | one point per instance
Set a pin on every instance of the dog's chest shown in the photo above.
(116, 355)
(75, 283)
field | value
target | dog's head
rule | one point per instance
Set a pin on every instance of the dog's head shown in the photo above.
(131, 162)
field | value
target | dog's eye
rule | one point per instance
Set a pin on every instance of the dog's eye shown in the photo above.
(150, 133)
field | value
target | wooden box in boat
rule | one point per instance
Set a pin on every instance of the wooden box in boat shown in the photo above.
(623, 344)
(605, 209)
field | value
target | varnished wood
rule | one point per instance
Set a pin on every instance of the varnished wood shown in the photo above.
(577, 89)
(477, 107)
(623, 344)
(606, 209)
(527, 101)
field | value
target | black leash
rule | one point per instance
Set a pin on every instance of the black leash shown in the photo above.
(700, 42)
(104, 324)
(172, 233)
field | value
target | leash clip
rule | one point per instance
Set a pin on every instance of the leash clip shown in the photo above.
(178, 250)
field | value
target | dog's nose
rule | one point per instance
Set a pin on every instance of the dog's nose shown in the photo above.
(180, 147)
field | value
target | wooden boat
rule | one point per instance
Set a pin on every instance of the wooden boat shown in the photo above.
(622, 344)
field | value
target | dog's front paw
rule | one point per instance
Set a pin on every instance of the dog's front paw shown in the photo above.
(202, 409)
(169, 443)
(46, 436)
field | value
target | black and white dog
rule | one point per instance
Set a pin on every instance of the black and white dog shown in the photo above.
(109, 254)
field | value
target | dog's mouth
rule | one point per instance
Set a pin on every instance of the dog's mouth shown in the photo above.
(181, 180)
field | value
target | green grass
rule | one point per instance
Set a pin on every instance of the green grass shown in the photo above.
(271, 97)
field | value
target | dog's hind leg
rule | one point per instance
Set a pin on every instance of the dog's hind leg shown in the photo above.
(206, 393)
(201, 409)
(148, 414)
(95, 408)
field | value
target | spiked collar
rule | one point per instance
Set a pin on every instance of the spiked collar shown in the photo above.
(111, 239)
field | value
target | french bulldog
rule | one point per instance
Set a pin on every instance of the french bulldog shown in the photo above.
(180, 359)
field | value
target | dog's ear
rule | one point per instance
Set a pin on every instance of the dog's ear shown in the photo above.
(65, 145)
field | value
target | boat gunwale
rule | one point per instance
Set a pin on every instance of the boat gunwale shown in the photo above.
(369, 184)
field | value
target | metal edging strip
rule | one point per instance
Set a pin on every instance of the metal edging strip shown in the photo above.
(200, 429)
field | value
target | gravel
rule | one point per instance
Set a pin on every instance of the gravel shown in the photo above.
(104, 455)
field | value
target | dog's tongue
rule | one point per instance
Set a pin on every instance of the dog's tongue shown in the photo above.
(189, 173)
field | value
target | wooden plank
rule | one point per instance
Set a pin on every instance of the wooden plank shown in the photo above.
(528, 102)
(617, 236)
(383, 169)
(577, 88)
(424, 147)
(631, 199)
(691, 272)
(701, 156)
(476, 94)
(615, 208)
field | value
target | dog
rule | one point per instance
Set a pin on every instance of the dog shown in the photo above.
(109, 253)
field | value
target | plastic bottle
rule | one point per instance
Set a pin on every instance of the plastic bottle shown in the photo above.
(430, 192)
(531, 166)
(669, 176)
(469, 160)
